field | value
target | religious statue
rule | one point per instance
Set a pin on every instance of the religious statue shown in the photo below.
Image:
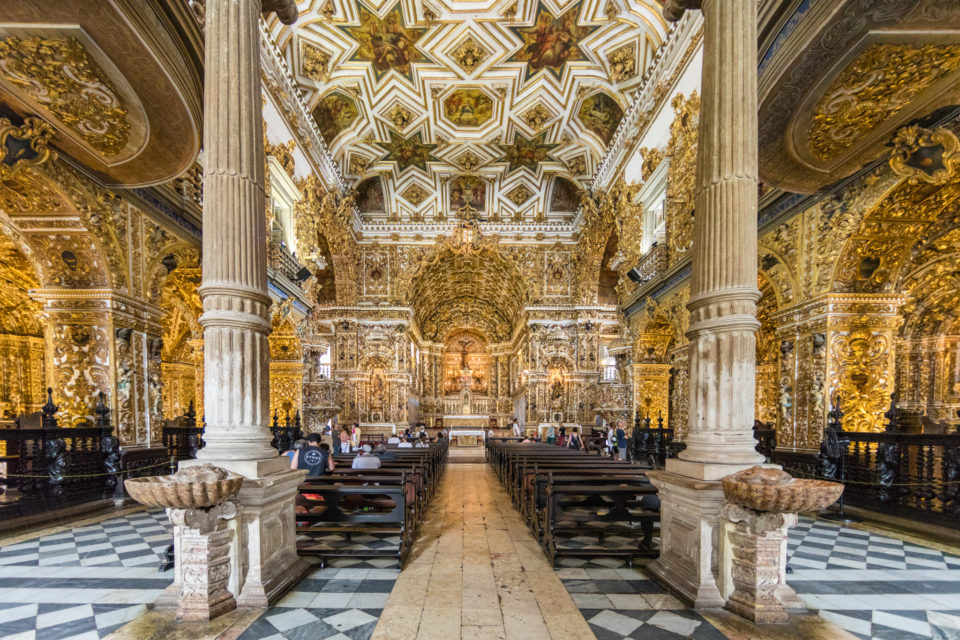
(464, 352)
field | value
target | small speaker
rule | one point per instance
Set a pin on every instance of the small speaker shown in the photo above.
(634, 275)
(303, 274)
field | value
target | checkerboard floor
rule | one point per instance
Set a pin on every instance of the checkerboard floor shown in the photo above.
(871, 585)
(86, 582)
(875, 586)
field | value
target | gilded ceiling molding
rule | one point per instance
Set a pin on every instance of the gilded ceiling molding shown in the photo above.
(24, 146)
(872, 89)
(681, 175)
(59, 75)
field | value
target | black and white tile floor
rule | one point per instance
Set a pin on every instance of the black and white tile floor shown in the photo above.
(871, 585)
(84, 583)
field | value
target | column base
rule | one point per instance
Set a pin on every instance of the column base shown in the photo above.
(691, 497)
(265, 559)
(689, 525)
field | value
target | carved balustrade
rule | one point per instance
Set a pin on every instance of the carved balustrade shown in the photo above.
(650, 445)
(53, 467)
(185, 438)
(910, 475)
(285, 434)
(652, 264)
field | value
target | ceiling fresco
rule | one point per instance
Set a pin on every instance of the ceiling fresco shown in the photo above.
(511, 95)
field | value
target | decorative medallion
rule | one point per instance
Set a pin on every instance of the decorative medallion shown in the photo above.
(408, 152)
(400, 116)
(469, 54)
(386, 43)
(60, 76)
(314, 63)
(623, 62)
(333, 114)
(468, 108)
(24, 146)
(527, 153)
(601, 115)
(536, 117)
(469, 161)
(577, 165)
(415, 194)
(468, 191)
(519, 194)
(552, 41)
(872, 89)
(358, 165)
(919, 154)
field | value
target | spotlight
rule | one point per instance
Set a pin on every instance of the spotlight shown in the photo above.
(634, 275)
(303, 275)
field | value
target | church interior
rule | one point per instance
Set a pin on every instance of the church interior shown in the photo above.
(479, 319)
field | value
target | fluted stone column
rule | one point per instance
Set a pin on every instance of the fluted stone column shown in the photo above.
(236, 317)
(722, 303)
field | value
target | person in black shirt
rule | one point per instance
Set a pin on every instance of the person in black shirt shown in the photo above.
(315, 457)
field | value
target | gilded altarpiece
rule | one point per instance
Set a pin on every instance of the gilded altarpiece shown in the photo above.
(22, 383)
(286, 365)
(651, 392)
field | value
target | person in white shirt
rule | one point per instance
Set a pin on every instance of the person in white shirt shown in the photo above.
(365, 459)
(393, 440)
(516, 429)
(405, 445)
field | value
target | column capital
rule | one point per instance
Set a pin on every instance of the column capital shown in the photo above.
(673, 9)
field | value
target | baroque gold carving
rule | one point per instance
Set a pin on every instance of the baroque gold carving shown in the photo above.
(314, 63)
(24, 146)
(469, 54)
(863, 362)
(519, 194)
(415, 194)
(872, 89)
(623, 62)
(59, 75)
(537, 117)
(681, 176)
(923, 155)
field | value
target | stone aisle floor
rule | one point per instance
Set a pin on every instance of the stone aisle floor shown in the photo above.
(477, 573)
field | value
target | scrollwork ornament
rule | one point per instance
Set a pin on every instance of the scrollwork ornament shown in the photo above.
(24, 146)
(922, 155)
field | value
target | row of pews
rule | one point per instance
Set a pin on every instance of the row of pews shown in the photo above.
(578, 505)
(340, 513)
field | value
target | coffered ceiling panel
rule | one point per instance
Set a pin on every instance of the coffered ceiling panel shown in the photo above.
(481, 104)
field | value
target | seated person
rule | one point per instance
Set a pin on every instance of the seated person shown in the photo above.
(404, 443)
(422, 442)
(384, 454)
(365, 459)
(314, 457)
(393, 440)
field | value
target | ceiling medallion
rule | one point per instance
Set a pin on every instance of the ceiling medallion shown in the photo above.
(551, 41)
(358, 165)
(923, 155)
(623, 63)
(408, 152)
(400, 116)
(469, 161)
(578, 165)
(415, 194)
(527, 153)
(314, 63)
(24, 146)
(396, 52)
(469, 55)
(519, 194)
(536, 117)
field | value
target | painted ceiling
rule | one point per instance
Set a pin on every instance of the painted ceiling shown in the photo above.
(503, 107)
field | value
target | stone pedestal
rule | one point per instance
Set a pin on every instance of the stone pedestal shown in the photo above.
(755, 559)
(202, 543)
(690, 529)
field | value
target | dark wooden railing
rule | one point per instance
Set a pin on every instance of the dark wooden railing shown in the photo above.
(286, 434)
(910, 475)
(654, 445)
(53, 467)
(182, 441)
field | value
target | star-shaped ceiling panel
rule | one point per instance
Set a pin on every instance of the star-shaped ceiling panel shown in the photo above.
(508, 98)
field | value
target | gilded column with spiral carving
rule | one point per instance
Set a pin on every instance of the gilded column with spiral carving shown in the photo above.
(722, 306)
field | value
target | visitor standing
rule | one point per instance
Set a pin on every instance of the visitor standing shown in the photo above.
(621, 440)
